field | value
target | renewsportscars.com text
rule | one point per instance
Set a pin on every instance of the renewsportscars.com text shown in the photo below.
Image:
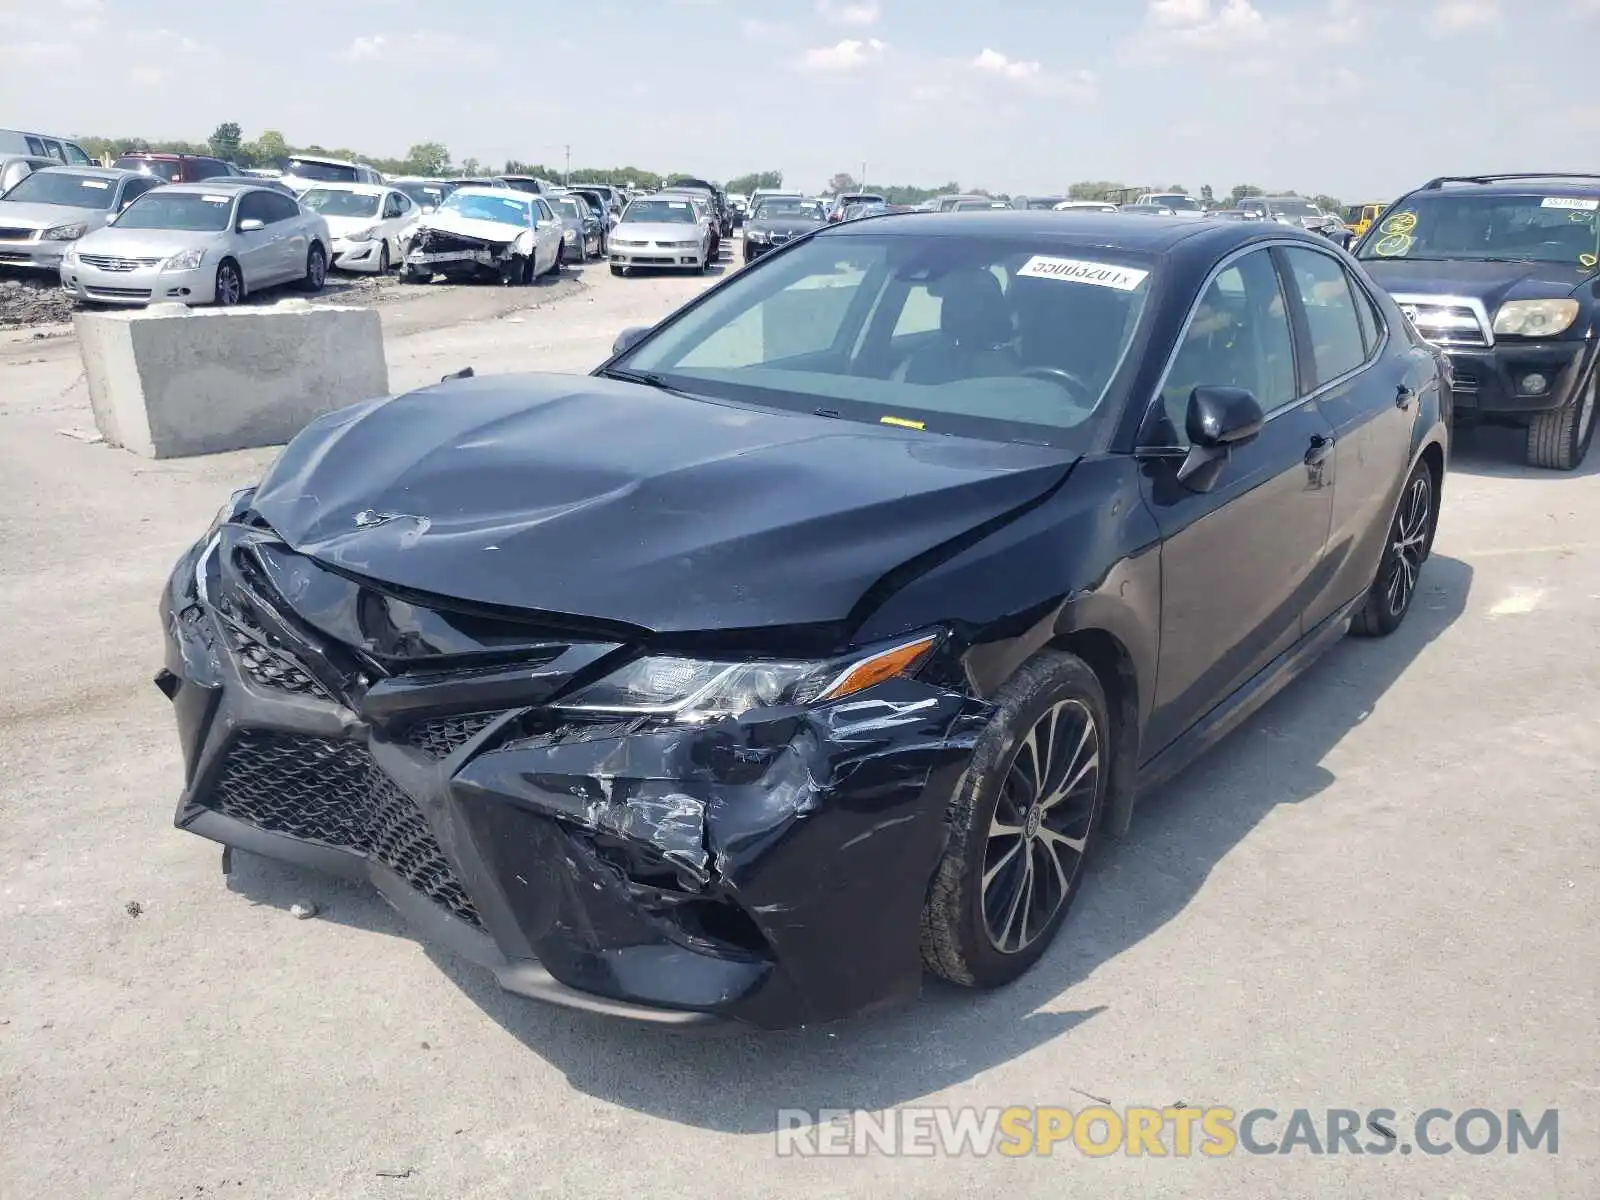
(1172, 1131)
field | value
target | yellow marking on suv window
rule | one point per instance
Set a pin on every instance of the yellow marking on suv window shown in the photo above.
(903, 422)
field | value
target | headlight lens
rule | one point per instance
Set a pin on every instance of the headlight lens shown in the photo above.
(364, 235)
(184, 260)
(693, 690)
(570, 235)
(756, 235)
(65, 233)
(1535, 318)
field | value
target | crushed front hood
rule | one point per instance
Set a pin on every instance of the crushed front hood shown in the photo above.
(596, 498)
(470, 227)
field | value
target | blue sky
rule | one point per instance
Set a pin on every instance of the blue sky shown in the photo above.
(1359, 98)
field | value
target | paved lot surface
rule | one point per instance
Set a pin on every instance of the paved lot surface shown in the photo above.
(1382, 892)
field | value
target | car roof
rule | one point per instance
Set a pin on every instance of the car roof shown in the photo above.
(112, 173)
(228, 183)
(163, 155)
(1102, 231)
(318, 158)
(360, 189)
(498, 193)
(1516, 185)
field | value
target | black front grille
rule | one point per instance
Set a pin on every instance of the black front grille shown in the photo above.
(443, 736)
(8, 234)
(271, 667)
(332, 792)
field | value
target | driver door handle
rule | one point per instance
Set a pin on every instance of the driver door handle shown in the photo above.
(1321, 447)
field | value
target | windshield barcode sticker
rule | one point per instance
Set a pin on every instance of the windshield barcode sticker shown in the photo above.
(1573, 202)
(1074, 270)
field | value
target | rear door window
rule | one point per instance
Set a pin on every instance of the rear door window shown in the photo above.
(76, 156)
(280, 207)
(36, 147)
(54, 150)
(1338, 342)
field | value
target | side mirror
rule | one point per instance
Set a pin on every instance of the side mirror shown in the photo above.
(250, 225)
(1218, 419)
(629, 338)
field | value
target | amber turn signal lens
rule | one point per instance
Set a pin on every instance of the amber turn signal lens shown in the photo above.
(901, 660)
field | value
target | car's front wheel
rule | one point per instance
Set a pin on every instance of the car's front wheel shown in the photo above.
(1405, 550)
(230, 284)
(1559, 439)
(1021, 824)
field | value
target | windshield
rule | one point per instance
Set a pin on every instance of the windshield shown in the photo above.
(429, 195)
(1010, 340)
(567, 208)
(508, 207)
(161, 168)
(1295, 208)
(1178, 200)
(66, 188)
(1446, 225)
(331, 203)
(303, 168)
(787, 210)
(660, 212)
(1043, 203)
(164, 208)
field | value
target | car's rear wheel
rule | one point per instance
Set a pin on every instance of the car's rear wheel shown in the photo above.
(1021, 824)
(383, 259)
(1559, 439)
(1405, 550)
(230, 284)
(316, 269)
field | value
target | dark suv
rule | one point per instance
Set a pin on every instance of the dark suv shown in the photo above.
(1500, 272)
(178, 168)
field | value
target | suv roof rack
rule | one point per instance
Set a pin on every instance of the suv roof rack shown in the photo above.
(1435, 184)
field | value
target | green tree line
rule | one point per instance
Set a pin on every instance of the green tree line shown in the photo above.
(271, 149)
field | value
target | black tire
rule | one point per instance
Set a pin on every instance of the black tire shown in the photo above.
(1559, 440)
(412, 275)
(618, 271)
(228, 296)
(316, 269)
(1406, 547)
(383, 259)
(1054, 699)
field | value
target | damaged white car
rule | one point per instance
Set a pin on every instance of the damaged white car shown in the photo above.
(485, 232)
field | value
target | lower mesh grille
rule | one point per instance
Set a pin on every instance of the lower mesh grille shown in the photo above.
(332, 792)
(442, 737)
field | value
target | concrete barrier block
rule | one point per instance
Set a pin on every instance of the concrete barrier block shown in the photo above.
(170, 381)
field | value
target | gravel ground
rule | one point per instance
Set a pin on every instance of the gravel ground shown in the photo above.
(1379, 891)
(36, 301)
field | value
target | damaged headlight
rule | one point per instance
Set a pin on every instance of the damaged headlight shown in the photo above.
(694, 690)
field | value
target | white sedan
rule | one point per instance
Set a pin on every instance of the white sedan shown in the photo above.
(366, 220)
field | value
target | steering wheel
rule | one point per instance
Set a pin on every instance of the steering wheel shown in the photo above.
(1081, 390)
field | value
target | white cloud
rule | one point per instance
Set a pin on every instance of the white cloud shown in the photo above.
(859, 15)
(146, 77)
(848, 55)
(167, 40)
(1461, 16)
(995, 63)
(31, 52)
(421, 46)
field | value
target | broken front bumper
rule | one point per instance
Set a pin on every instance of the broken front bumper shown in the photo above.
(770, 869)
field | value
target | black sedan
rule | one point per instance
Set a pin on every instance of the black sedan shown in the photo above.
(809, 644)
(777, 220)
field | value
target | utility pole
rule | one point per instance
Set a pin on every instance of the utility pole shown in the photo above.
(566, 178)
(863, 181)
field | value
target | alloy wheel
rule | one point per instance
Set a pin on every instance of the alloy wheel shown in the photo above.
(1410, 544)
(1041, 826)
(229, 287)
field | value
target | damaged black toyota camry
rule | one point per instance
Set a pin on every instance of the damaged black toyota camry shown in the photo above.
(810, 643)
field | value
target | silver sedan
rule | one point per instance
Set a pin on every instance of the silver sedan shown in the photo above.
(48, 210)
(198, 243)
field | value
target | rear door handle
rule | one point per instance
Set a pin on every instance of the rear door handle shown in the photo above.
(1403, 396)
(1321, 447)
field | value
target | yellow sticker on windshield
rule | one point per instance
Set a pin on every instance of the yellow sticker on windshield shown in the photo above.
(903, 422)
(1394, 246)
(1402, 223)
(1587, 260)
